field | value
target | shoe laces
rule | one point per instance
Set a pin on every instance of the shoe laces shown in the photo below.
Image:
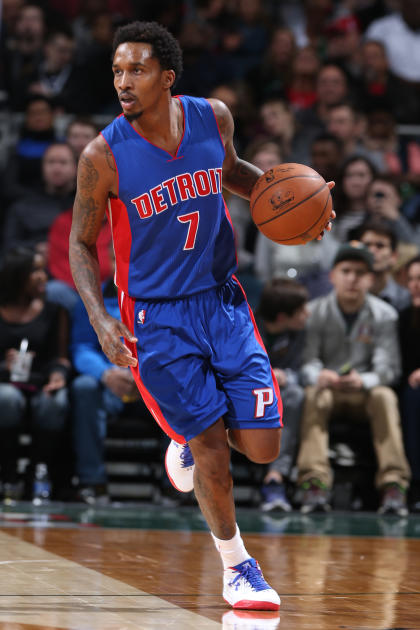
(251, 572)
(186, 456)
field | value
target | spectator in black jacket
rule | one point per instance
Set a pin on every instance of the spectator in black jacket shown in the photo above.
(28, 321)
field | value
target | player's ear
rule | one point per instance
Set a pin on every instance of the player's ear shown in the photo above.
(168, 79)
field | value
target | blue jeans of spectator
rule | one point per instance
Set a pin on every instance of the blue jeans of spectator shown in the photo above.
(292, 396)
(47, 416)
(410, 420)
(91, 404)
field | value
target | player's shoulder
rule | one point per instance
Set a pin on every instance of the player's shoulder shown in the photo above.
(224, 118)
(94, 150)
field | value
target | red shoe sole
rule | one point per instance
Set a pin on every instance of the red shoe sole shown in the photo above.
(246, 604)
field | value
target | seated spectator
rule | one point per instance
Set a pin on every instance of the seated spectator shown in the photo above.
(269, 79)
(245, 36)
(79, 133)
(387, 151)
(343, 43)
(326, 156)
(282, 314)
(409, 329)
(61, 288)
(379, 237)
(24, 53)
(100, 389)
(24, 165)
(29, 219)
(59, 77)
(34, 399)
(399, 33)
(332, 88)
(279, 123)
(347, 124)
(382, 89)
(383, 200)
(350, 195)
(351, 361)
(301, 87)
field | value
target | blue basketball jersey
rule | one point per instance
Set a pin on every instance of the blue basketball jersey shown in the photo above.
(171, 231)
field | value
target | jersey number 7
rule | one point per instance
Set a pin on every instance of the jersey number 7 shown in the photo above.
(193, 219)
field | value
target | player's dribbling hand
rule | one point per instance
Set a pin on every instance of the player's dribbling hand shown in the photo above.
(328, 225)
(110, 331)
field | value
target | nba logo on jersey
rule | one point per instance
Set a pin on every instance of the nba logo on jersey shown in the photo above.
(141, 316)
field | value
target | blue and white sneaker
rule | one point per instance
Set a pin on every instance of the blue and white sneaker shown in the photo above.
(179, 464)
(244, 587)
(274, 497)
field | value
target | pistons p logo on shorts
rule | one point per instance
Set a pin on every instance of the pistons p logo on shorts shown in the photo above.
(263, 398)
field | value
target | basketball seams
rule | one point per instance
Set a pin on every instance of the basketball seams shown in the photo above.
(277, 181)
(284, 240)
(293, 207)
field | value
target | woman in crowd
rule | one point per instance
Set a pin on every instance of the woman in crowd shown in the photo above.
(34, 365)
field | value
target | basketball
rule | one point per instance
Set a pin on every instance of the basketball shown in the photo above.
(291, 204)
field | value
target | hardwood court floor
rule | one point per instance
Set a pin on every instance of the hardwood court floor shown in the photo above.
(59, 569)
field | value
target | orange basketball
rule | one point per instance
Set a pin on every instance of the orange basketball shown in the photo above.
(290, 204)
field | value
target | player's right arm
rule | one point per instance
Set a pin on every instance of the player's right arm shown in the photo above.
(96, 181)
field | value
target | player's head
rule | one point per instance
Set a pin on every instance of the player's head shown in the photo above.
(283, 304)
(147, 60)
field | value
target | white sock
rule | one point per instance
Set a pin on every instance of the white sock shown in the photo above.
(231, 551)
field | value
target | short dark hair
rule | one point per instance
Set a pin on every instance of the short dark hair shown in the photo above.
(412, 261)
(281, 295)
(165, 47)
(325, 136)
(379, 226)
(15, 269)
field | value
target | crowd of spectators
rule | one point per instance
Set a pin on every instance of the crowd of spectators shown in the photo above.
(334, 84)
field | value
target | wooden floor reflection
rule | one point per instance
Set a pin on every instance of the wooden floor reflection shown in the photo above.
(108, 579)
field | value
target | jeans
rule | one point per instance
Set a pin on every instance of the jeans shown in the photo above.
(91, 404)
(47, 415)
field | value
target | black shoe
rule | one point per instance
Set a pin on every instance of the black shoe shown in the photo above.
(315, 496)
(394, 500)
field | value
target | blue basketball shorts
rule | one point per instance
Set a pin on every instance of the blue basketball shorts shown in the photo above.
(200, 358)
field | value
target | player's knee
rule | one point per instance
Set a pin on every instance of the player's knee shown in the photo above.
(265, 452)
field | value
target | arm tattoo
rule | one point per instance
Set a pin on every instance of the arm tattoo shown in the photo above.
(110, 158)
(83, 254)
(241, 179)
(89, 175)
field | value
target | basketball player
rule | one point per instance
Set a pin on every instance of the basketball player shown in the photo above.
(190, 340)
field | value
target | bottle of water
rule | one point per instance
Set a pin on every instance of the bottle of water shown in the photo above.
(42, 485)
(21, 368)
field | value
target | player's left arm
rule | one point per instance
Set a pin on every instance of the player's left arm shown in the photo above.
(239, 176)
